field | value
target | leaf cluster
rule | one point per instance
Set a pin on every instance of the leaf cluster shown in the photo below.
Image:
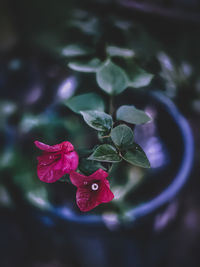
(114, 73)
(112, 78)
(117, 138)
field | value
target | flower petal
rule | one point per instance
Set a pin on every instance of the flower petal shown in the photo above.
(105, 194)
(99, 175)
(52, 166)
(47, 148)
(70, 161)
(85, 199)
(49, 173)
(77, 179)
(67, 147)
(48, 158)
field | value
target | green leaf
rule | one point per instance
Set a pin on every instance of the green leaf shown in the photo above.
(8, 158)
(132, 115)
(119, 52)
(89, 101)
(88, 26)
(7, 108)
(122, 136)
(136, 156)
(90, 66)
(74, 50)
(111, 78)
(105, 153)
(89, 166)
(98, 120)
(138, 77)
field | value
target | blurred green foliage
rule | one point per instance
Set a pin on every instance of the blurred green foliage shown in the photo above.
(75, 34)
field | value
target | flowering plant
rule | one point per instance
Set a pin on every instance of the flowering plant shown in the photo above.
(88, 170)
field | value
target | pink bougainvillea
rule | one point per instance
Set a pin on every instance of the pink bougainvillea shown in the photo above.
(56, 161)
(91, 190)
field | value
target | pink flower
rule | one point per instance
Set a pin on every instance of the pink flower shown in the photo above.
(91, 190)
(56, 161)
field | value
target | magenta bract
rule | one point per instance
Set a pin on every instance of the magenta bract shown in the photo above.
(91, 190)
(56, 161)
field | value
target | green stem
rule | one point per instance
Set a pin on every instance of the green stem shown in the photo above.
(105, 136)
(111, 107)
(110, 168)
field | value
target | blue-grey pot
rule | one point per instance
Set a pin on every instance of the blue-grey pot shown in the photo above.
(143, 238)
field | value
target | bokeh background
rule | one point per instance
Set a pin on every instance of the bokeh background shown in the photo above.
(34, 80)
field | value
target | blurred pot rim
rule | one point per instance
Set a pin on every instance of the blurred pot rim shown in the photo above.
(172, 13)
(149, 207)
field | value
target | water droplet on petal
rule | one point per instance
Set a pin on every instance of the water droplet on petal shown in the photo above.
(95, 187)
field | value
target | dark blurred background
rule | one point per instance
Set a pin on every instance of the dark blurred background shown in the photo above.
(34, 78)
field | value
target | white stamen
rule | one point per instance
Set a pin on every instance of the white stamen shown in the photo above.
(94, 186)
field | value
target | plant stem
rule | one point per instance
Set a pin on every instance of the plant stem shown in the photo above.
(110, 168)
(111, 107)
(105, 136)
